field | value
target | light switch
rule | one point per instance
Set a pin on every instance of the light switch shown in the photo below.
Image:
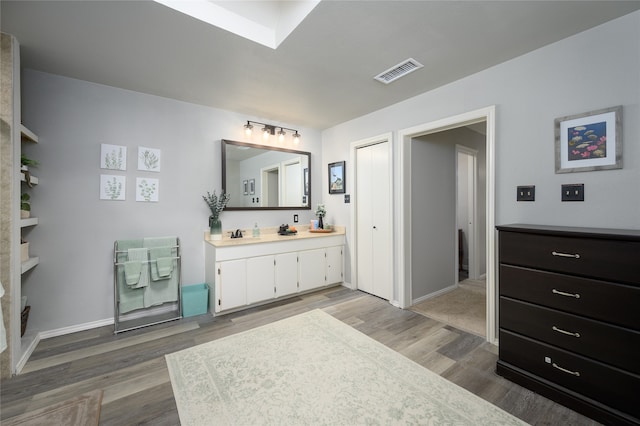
(573, 192)
(526, 193)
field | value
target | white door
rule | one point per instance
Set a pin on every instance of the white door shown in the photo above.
(292, 183)
(373, 217)
(231, 284)
(286, 274)
(260, 279)
(311, 267)
(334, 265)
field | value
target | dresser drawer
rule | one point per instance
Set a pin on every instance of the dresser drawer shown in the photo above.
(615, 260)
(613, 303)
(610, 344)
(608, 385)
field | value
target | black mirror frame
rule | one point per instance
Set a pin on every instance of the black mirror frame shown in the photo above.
(225, 142)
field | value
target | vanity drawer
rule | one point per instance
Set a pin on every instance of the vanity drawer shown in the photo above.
(614, 303)
(615, 260)
(612, 345)
(609, 385)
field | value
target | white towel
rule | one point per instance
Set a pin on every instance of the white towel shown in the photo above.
(3, 331)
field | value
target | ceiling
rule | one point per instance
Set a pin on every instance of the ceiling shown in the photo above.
(318, 76)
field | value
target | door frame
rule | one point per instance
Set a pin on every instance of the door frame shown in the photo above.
(402, 190)
(351, 185)
(472, 201)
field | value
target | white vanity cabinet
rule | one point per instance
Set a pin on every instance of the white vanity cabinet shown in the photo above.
(250, 272)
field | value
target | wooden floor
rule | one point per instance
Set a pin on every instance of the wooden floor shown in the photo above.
(130, 368)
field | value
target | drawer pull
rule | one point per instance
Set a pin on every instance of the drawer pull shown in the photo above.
(568, 333)
(562, 293)
(557, 253)
(573, 373)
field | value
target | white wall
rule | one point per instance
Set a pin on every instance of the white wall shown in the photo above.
(73, 284)
(592, 70)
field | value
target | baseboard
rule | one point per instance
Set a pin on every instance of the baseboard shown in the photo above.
(27, 353)
(105, 322)
(435, 294)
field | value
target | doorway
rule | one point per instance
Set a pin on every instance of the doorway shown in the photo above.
(405, 226)
(466, 211)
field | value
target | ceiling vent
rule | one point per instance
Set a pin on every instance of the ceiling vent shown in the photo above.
(397, 71)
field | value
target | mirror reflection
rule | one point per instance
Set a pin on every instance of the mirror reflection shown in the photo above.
(265, 177)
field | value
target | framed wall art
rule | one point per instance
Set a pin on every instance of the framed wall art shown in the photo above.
(113, 157)
(149, 159)
(252, 186)
(245, 187)
(337, 178)
(589, 141)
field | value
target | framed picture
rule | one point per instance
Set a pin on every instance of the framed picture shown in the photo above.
(252, 186)
(337, 178)
(590, 141)
(112, 187)
(245, 187)
(113, 157)
(149, 159)
(306, 181)
(147, 190)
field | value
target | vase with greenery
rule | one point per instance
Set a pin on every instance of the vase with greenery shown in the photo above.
(216, 205)
(25, 206)
(320, 212)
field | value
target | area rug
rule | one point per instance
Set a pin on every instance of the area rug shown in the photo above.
(82, 410)
(464, 308)
(313, 369)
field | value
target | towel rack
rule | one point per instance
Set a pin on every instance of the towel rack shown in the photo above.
(157, 302)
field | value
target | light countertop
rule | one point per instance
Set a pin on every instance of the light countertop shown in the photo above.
(269, 235)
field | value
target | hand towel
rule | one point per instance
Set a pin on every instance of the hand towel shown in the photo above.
(140, 256)
(164, 267)
(161, 248)
(132, 269)
(128, 298)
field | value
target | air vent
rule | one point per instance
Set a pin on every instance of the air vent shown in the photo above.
(397, 71)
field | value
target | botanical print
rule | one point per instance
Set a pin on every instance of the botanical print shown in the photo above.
(112, 187)
(587, 141)
(113, 157)
(147, 189)
(148, 159)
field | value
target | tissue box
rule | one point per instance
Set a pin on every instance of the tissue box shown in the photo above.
(24, 252)
(195, 299)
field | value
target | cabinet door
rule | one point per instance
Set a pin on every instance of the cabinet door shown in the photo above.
(231, 284)
(311, 269)
(286, 274)
(260, 279)
(334, 265)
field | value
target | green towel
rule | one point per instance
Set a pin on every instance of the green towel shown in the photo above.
(129, 298)
(164, 266)
(164, 289)
(138, 259)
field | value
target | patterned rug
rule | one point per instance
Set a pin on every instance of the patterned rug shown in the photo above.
(82, 410)
(314, 369)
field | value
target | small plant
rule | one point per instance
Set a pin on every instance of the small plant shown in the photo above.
(24, 202)
(320, 210)
(26, 161)
(216, 204)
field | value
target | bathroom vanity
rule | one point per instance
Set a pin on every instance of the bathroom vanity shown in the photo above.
(246, 272)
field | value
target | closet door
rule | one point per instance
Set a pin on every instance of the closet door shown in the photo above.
(373, 216)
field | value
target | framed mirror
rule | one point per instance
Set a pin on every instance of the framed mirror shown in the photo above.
(260, 177)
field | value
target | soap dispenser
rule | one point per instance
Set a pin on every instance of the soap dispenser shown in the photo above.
(256, 231)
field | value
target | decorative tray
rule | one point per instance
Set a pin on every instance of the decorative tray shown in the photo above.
(321, 231)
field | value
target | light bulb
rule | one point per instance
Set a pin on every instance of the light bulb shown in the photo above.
(296, 138)
(281, 134)
(248, 129)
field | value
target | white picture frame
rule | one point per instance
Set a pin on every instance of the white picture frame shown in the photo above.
(113, 187)
(147, 190)
(149, 159)
(113, 157)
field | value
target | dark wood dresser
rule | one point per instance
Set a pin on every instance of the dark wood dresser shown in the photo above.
(569, 317)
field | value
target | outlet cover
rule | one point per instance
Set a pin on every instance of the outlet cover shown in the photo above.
(573, 192)
(295, 218)
(526, 193)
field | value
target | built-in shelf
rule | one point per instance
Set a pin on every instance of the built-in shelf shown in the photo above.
(31, 221)
(29, 264)
(28, 135)
(33, 180)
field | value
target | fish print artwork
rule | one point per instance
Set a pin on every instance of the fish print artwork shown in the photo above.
(587, 141)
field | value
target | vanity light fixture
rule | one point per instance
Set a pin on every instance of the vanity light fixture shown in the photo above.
(269, 130)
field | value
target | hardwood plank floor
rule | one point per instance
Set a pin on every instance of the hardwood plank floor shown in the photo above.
(131, 370)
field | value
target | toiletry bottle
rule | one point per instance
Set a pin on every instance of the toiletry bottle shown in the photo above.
(256, 231)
